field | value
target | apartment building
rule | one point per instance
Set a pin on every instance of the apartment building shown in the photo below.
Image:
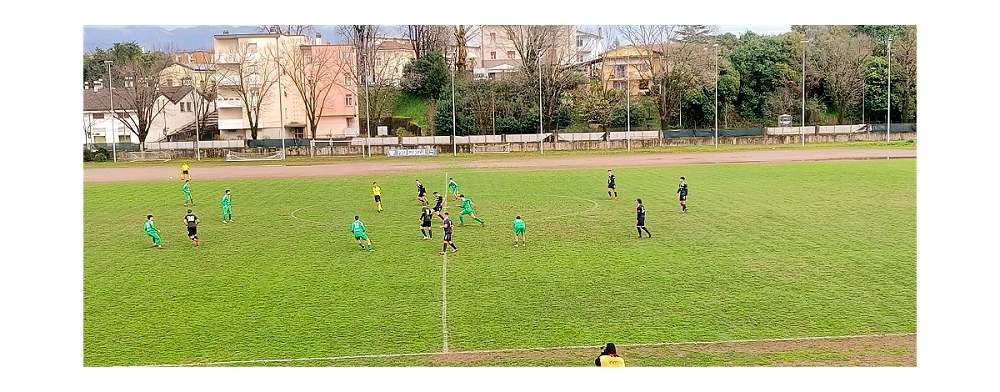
(500, 55)
(247, 73)
(174, 109)
(629, 66)
(338, 106)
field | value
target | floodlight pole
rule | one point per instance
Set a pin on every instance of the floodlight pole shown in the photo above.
(114, 151)
(716, 46)
(888, 95)
(803, 125)
(454, 143)
(538, 59)
(628, 104)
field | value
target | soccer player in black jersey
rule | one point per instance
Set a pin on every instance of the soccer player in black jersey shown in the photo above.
(447, 226)
(682, 192)
(438, 204)
(611, 186)
(421, 193)
(425, 222)
(640, 218)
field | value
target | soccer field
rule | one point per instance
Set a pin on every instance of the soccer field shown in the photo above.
(766, 251)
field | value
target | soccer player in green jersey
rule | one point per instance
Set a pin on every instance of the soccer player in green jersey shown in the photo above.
(152, 231)
(467, 210)
(453, 187)
(227, 208)
(187, 193)
(518, 230)
(358, 229)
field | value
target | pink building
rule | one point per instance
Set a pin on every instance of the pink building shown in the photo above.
(337, 98)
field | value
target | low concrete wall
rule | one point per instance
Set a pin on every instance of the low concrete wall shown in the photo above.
(572, 145)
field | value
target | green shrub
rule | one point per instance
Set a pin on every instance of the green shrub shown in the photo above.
(100, 156)
(87, 155)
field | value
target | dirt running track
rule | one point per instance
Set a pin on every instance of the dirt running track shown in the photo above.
(162, 173)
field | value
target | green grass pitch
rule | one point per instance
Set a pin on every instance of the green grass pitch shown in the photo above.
(765, 251)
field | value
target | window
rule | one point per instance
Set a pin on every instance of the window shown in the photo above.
(347, 80)
(98, 116)
(186, 82)
(190, 104)
(348, 100)
(347, 57)
(124, 139)
(619, 85)
(493, 37)
(300, 133)
(579, 42)
(251, 48)
(181, 104)
(510, 54)
(619, 71)
(350, 122)
(493, 55)
(170, 82)
(644, 67)
(100, 140)
(309, 58)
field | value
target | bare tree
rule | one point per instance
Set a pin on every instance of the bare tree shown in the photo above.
(139, 91)
(248, 73)
(904, 52)
(373, 70)
(554, 47)
(427, 37)
(307, 30)
(314, 72)
(462, 34)
(839, 59)
(668, 57)
(88, 129)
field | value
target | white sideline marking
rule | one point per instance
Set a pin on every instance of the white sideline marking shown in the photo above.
(507, 350)
(444, 300)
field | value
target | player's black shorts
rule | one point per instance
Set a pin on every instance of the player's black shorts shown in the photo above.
(425, 223)
(184, 172)
(422, 194)
(611, 185)
(641, 221)
(684, 196)
(378, 198)
(437, 208)
(192, 230)
(447, 236)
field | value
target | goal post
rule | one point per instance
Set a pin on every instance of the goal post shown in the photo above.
(491, 148)
(236, 156)
(140, 156)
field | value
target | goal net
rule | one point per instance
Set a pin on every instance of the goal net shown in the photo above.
(255, 156)
(495, 148)
(136, 156)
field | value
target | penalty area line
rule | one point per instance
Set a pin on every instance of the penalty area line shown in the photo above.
(510, 350)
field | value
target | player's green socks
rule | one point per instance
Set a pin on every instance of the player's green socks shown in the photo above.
(369, 247)
(479, 220)
(460, 220)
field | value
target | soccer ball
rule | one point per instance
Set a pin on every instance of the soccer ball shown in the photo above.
(171, 177)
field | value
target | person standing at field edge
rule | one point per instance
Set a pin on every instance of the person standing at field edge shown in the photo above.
(518, 230)
(609, 357)
(682, 192)
(192, 225)
(377, 192)
(152, 231)
(184, 171)
(358, 229)
(227, 208)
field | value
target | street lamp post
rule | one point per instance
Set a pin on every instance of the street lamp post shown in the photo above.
(281, 107)
(454, 143)
(114, 151)
(716, 46)
(803, 125)
(628, 104)
(368, 117)
(538, 59)
(888, 95)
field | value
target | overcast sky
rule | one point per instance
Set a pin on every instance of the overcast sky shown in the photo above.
(735, 29)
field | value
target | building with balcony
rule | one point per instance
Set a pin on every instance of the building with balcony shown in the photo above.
(173, 109)
(629, 66)
(337, 108)
(500, 55)
(247, 71)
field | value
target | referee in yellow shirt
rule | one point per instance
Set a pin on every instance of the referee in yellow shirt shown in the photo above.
(184, 171)
(377, 192)
(609, 357)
